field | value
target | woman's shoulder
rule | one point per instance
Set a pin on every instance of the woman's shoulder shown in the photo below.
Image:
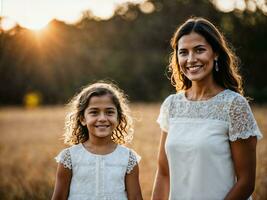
(233, 96)
(179, 94)
(225, 96)
(173, 97)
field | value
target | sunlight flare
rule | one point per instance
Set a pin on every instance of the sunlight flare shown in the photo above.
(7, 24)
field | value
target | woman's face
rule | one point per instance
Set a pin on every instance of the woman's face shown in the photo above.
(195, 57)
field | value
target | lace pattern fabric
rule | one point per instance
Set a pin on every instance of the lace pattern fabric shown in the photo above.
(227, 106)
(64, 158)
(98, 176)
(242, 122)
(197, 142)
(134, 159)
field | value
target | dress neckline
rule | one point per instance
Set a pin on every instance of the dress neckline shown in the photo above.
(206, 100)
(99, 155)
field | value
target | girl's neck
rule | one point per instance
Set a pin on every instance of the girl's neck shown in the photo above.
(101, 148)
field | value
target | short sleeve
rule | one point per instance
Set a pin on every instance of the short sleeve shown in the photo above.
(64, 158)
(163, 118)
(242, 122)
(134, 159)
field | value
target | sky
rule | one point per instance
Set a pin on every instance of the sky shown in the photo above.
(35, 14)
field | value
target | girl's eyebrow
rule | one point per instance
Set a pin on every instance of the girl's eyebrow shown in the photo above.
(96, 108)
(111, 108)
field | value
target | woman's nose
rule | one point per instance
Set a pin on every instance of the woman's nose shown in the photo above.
(191, 57)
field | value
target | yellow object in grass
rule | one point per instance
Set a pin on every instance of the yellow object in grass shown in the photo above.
(32, 100)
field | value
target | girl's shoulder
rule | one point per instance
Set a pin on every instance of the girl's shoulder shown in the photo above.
(75, 147)
(123, 149)
(71, 149)
(129, 152)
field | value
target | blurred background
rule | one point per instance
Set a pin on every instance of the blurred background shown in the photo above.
(49, 49)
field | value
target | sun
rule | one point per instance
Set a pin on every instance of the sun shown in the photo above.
(35, 24)
(7, 24)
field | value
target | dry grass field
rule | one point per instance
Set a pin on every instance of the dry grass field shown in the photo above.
(31, 138)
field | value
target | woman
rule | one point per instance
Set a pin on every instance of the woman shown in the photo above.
(209, 134)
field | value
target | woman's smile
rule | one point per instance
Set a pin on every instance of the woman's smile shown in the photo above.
(194, 68)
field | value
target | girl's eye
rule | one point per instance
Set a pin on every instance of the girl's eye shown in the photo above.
(93, 112)
(110, 112)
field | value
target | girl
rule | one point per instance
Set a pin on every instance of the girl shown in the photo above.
(209, 134)
(97, 166)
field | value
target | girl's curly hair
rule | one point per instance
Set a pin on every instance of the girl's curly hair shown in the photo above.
(76, 133)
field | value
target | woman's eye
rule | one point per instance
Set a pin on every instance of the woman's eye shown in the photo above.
(182, 53)
(200, 50)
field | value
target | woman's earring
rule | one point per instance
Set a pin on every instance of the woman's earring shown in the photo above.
(216, 66)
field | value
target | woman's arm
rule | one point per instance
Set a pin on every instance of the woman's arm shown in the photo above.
(244, 158)
(63, 179)
(162, 180)
(132, 184)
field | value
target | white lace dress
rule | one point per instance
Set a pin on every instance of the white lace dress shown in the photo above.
(98, 177)
(197, 144)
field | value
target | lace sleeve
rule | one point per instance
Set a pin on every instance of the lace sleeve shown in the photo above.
(64, 158)
(134, 159)
(163, 118)
(242, 122)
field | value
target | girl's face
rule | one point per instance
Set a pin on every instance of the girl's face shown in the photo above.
(100, 117)
(195, 57)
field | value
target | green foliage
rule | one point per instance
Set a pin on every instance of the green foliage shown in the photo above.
(131, 48)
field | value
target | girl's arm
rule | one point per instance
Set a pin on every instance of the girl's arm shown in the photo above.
(132, 184)
(162, 180)
(63, 178)
(244, 158)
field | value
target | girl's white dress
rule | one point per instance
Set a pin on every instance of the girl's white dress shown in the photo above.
(98, 177)
(197, 144)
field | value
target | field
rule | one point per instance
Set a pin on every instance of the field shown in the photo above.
(31, 138)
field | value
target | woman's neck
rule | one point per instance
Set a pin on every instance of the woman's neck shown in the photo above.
(199, 91)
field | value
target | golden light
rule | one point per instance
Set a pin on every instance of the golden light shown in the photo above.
(147, 7)
(225, 5)
(34, 24)
(36, 14)
(7, 24)
(104, 11)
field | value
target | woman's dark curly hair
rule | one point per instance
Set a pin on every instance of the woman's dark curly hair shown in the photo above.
(76, 133)
(228, 75)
